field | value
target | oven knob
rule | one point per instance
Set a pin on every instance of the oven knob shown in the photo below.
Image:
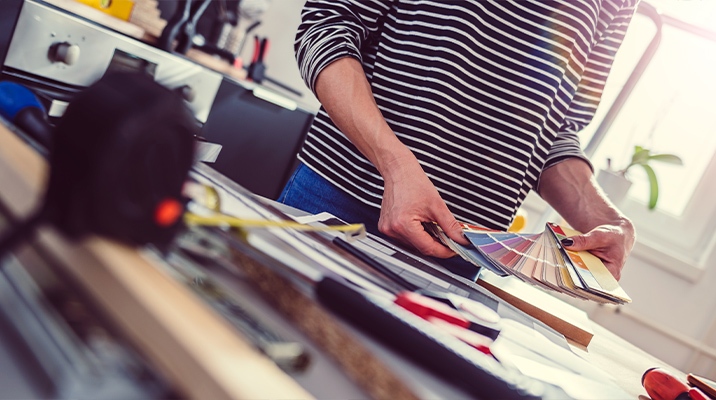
(64, 52)
(186, 92)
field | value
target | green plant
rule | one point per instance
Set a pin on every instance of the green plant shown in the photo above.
(643, 157)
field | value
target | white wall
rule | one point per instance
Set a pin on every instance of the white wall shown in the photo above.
(681, 311)
(279, 24)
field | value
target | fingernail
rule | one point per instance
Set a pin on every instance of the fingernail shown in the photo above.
(567, 241)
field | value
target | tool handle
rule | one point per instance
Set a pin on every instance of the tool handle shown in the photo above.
(186, 36)
(662, 385)
(697, 394)
(705, 385)
(175, 24)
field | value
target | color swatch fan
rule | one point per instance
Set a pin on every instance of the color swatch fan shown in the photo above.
(539, 259)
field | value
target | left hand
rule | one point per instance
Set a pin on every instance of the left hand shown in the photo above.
(570, 188)
(612, 243)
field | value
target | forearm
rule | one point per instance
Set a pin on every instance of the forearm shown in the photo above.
(409, 197)
(570, 188)
(344, 91)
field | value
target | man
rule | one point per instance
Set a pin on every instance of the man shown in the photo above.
(445, 109)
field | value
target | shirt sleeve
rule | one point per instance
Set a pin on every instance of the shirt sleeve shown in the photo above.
(591, 86)
(334, 29)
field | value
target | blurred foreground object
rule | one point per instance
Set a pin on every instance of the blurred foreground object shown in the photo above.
(661, 385)
(119, 158)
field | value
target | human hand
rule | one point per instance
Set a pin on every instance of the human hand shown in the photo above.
(612, 243)
(409, 199)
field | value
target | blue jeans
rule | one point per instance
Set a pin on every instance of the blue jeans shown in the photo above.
(310, 192)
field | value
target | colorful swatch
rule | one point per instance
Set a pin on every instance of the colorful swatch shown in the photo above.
(539, 259)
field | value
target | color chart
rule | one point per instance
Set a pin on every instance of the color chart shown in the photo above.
(539, 259)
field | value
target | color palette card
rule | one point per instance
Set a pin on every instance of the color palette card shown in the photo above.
(468, 253)
(539, 259)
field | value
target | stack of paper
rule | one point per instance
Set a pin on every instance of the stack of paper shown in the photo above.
(541, 260)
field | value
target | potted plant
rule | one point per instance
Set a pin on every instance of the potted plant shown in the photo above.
(616, 184)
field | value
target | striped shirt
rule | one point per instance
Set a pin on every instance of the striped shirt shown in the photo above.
(486, 94)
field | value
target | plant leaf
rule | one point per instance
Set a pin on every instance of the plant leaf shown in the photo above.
(667, 158)
(641, 155)
(653, 186)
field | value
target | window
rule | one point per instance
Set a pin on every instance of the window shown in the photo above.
(671, 109)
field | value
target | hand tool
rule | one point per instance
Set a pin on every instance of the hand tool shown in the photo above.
(182, 26)
(120, 156)
(257, 68)
(706, 385)
(662, 385)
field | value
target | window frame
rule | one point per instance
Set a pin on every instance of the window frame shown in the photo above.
(684, 248)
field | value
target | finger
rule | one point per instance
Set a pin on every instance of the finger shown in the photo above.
(451, 227)
(587, 241)
(428, 246)
(616, 272)
(614, 269)
(595, 240)
(415, 235)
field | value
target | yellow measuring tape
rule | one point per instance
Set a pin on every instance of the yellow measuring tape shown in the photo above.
(352, 231)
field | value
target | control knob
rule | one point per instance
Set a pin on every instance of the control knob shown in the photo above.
(64, 52)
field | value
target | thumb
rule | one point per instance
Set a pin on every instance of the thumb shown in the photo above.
(451, 227)
(578, 242)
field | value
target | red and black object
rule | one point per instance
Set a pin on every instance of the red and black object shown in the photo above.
(257, 68)
(661, 385)
(122, 153)
(428, 304)
(428, 308)
(706, 385)
(120, 156)
(256, 71)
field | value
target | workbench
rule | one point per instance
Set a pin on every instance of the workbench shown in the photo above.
(192, 348)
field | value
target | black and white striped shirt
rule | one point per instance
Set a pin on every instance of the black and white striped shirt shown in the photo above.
(486, 94)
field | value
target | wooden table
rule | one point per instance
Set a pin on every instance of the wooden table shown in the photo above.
(622, 360)
(181, 336)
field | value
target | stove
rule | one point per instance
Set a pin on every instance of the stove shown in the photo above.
(57, 53)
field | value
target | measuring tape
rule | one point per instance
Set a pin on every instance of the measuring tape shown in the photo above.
(351, 231)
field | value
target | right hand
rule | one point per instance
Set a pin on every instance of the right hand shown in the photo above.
(409, 199)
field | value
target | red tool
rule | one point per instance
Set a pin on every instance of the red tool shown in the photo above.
(426, 307)
(706, 385)
(474, 339)
(445, 318)
(257, 68)
(661, 385)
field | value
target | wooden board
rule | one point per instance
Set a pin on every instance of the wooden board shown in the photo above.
(566, 319)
